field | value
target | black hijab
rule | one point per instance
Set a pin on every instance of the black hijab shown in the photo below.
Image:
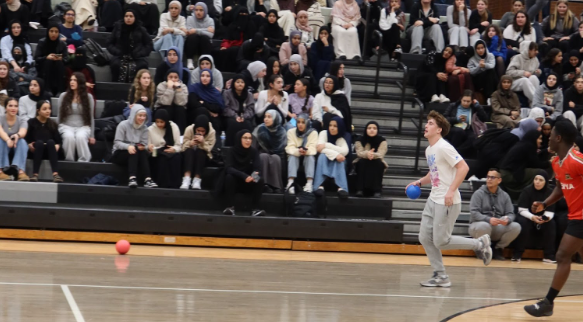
(240, 24)
(242, 157)
(334, 67)
(202, 121)
(336, 84)
(162, 114)
(80, 60)
(18, 40)
(51, 45)
(271, 30)
(530, 194)
(270, 62)
(41, 93)
(556, 83)
(374, 141)
(320, 44)
(485, 55)
(341, 131)
(241, 99)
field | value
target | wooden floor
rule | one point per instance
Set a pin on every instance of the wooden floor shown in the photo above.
(55, 281)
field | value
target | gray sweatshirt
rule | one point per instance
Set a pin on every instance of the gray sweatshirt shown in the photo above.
(474, 62)
(546, 99)
(127, 134)
(485, 205)
(201, 25)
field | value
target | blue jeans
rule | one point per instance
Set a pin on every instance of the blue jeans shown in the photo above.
(168, 40)
(331, 169)
(20, 153)
(293, 164)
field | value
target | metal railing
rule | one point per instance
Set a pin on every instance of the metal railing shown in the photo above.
(366, 26)
(420, 130)
(403, 86)
(378, 67)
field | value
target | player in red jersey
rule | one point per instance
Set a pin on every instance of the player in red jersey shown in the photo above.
(568, 167)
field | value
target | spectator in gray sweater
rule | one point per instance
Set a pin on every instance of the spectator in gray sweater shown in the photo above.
(200, 30)
(549, 97)
(492, 213)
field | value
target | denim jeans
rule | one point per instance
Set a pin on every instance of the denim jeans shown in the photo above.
(20, 153)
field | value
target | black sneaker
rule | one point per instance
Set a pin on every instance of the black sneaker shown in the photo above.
(133, 183)
(150, 184)
(342, 194)
(359, 194)
(258, 213)
(516, 258)
(542, 308)
(229, 211)
(376, 195)
(498, 254)
(319, 192)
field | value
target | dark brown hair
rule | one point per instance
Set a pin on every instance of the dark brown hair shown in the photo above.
(66, 107)
(527, 29)
(441, 122)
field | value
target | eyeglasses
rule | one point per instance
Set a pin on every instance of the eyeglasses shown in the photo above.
(492, 178)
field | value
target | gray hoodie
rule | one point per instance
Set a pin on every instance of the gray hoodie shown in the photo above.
(217, 75)
(485, 205)
(127, 134)
(554, 95)
(522, 63)
(474, 62)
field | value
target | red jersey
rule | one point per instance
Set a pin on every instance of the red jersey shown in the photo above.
(569, 173)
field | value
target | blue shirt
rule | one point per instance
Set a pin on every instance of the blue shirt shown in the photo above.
(74, 35)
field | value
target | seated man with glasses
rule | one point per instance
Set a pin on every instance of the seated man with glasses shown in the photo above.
(492, 213)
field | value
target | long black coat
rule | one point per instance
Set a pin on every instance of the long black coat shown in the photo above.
(142, 42)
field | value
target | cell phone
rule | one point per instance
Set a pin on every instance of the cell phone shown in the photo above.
(59, 55)
(255, 177)
(545, 218)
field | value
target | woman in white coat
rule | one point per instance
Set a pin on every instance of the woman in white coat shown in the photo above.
(345, 19)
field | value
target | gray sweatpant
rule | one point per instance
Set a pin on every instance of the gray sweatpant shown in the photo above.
(534, 8)
(418, 33)
(437, 223)
(504, 235)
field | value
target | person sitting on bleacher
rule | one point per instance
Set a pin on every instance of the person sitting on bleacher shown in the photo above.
(130, 147)
(239, 112)
(314, 14)
(333, 146)
(424, 24)
(110, 12)
(524, 69)
(464, 116)
(337, 69)
(345, 19)
(17, 51)
(576, 41)
(207, 62)
(200, 30)
(76, 119)
(172, 95)
(28, 104)
(273, 68)
(241, 29)
(482, 68)
(205, 99)
(391, 24)
(14, 10)
(549, 97)
(508, 17)
(86, 13)
(72, 33)
(44, 140)
(370, 162)
(78, 63)
(272, 140)
(505, 105)
(552, 63)
(559, 26)
(13, 129)
(254, 75)
(570, 69)
(301, 143)
(143, 92)
(164, 137)
(480, 20)
(497, 47)
(322, 53)
(254, 49)
(129, 46)
(458, 77)
(274, 95)
(147, 12)
(272, 32)
(297, 71)
(329, 103)
(458, 22)
(51, 56)
(431, 78)
(243, 172)
(306, 31)
(300, 101)
(199, 141)
(292, 47)
(173, 61)
(172, 29)
(519, 31)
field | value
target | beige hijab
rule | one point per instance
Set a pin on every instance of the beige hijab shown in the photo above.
(15, 5)
(346, 10)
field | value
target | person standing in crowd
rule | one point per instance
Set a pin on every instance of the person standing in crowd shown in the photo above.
(301, 144)
(164, 145)
(172, 29)
(147, 12)
(447, 170)
(480, 20)
(271, 137)
(239, 112)
(199, 141)
(51, 56)
(333, 146)
(173, 61)
(492, 213)
(370, 162)
(27, 105)
(207, 62)
(322, 53)
(129, 46)
(424, 24)
(540, 223)
(559, 26)
(200, 30)
(505, 105)
(76, 119)
(243, 172)
(72, 32)
(13, 129)
(172, 95)
(44, 140)
(345, 20)
(130, 147)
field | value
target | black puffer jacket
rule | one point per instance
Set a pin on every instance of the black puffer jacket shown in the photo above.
(140, 42)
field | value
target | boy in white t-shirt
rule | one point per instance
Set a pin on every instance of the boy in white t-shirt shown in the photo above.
(447, 170)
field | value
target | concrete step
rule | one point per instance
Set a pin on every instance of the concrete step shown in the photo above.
(371, 71)
(397, 160)
(403, 140)
(384, 88)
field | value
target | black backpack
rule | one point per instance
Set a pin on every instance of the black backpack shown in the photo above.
(113, 108)
(95, 54)
(303, 204)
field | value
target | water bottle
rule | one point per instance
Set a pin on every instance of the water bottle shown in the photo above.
(223, 138)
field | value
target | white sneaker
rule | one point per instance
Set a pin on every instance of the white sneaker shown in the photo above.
(443, 99)
(292, 190)
(473, 178)
(196, 183)
(489, 101)
(308, 187)
(185, 183)
(190, 64)
(434, 98)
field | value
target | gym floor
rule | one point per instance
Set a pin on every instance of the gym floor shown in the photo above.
(63, 281)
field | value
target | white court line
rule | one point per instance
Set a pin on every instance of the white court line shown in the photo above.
(72, 304)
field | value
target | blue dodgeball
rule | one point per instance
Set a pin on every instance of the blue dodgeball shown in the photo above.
(413, 192)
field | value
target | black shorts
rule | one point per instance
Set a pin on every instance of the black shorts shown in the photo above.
(575, 228)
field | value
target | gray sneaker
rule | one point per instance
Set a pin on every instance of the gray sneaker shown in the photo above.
(485, 251)
(437, 281)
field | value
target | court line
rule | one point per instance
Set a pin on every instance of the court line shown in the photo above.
(72, 304)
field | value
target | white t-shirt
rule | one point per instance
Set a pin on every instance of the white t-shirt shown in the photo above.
(441, 159)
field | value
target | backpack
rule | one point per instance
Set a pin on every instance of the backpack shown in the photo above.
(303, 204)
(95, 54)
(113, 108)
